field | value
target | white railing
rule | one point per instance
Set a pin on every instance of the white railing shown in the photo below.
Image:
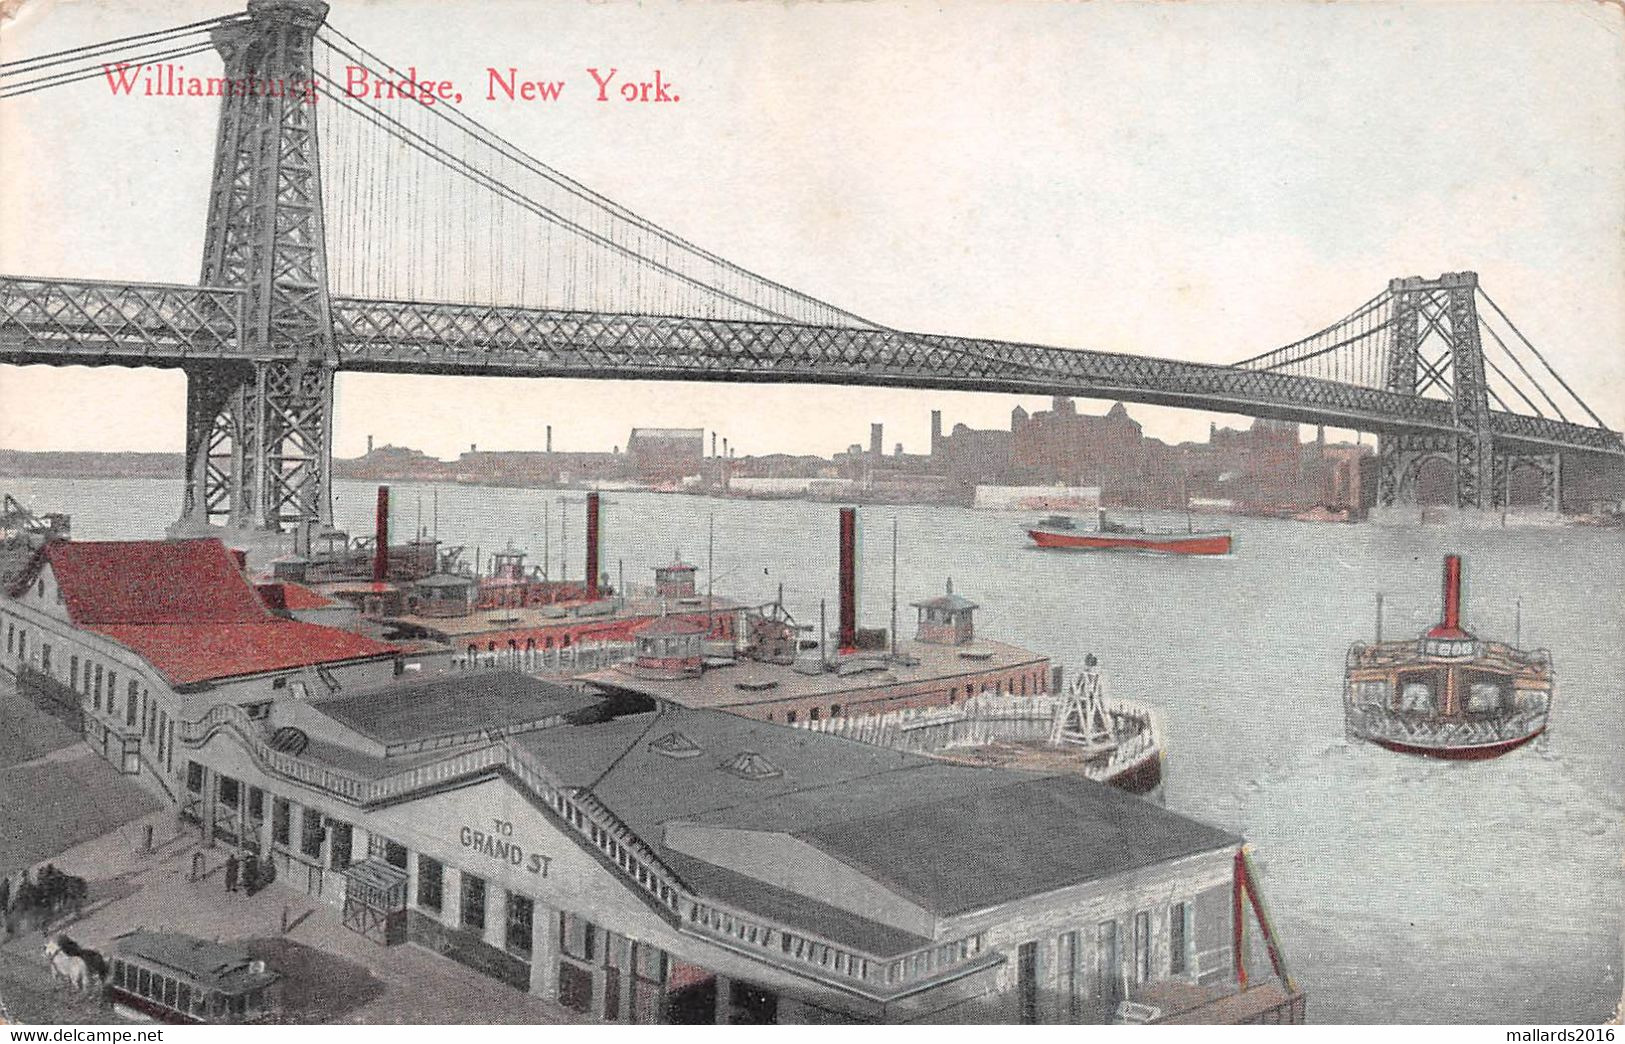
(583, 656)
(994, 718)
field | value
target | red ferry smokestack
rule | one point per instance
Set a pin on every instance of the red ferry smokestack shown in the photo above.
(592, 545)
(380, 551)
(1450, 626)
(848, 626)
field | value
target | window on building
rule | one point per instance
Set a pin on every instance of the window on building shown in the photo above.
(280, 816)
(790, 717)
(812, 714)
(11, 635)
(1176, 939)
(98, 690)
(521, 914)
(430, 882)
(194, 777)
(73, 673)
(45, 658)
(1142, 947)
(471, 907)
(578, 937)
(310, 832)
(256, 800)
(230, 791)
(342, 843)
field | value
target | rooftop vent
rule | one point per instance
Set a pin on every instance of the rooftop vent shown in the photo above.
(748, 764)
(676, 745)
(756, 684)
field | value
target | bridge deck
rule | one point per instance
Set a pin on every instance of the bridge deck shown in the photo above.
(62, 322)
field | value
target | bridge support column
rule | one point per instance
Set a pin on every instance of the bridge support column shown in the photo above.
(265, 236)
(221, 457)
(295, 407)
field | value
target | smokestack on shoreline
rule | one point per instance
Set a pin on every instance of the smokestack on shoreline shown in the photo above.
(380, 551)
(592, 546)
(847, 625)
(550, 438)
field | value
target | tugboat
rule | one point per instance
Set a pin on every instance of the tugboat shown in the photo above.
(1447, 694)
(1059, 531)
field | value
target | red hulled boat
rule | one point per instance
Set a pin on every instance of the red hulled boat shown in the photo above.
(1447, 694)
(1060, 532)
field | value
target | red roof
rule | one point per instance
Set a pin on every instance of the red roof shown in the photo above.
(152, 582)
(187, 653)
(284, 594)
(185, 607)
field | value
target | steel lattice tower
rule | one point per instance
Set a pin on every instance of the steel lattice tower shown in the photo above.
(258, 449)
(1435, 347)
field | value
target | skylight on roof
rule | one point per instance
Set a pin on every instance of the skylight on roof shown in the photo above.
(676, 745)
(748, 764)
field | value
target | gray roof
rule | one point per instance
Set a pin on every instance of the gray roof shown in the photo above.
(952, 838)
(210, 964)
(948, 602)
(455, 702)
(968, 852)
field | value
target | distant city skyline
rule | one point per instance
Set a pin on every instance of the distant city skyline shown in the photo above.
(1176, 181)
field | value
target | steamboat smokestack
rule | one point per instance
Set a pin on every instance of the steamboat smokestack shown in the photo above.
(592, 546)
(847, 630)
(1450, 626)
(380, 551)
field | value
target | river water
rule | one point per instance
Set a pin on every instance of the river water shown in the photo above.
(1404, 890)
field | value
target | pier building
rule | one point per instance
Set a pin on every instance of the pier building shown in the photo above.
(634, 860)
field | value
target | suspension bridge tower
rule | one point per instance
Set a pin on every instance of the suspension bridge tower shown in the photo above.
(1435, 349)
(258, 424)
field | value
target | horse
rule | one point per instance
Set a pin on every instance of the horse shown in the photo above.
(65, 967)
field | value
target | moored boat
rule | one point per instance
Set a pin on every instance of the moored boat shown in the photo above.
(1057, 532)
(1447, 694)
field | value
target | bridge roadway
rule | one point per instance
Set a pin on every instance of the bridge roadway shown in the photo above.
(85, 323)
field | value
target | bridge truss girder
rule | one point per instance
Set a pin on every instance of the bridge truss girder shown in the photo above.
(263, 441)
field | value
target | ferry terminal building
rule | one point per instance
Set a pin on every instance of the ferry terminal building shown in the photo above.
(632, 859)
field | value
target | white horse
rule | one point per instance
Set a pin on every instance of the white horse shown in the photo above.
(72, 970)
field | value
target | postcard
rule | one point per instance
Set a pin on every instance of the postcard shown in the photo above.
(811, 513)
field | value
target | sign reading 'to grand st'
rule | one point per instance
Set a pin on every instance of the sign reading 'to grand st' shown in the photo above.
(497, 843)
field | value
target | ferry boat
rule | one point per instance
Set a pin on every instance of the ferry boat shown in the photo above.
(1447, 694)
(1060, 531)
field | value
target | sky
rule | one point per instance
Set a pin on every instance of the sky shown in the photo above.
(1201, 182)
